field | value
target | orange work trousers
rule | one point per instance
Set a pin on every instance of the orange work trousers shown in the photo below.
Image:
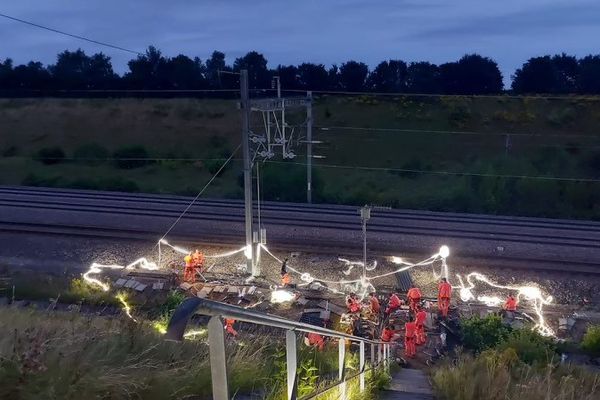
(420, 337)
(444, 306)
(409, 347)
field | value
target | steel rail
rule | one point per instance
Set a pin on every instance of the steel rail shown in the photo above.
(233, 238)
(319, 208)
(304, 222)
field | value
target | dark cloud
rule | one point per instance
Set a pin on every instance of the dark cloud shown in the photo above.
(328, 32)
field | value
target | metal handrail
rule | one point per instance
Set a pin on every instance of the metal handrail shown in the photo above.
(216, 340)
(215, 308)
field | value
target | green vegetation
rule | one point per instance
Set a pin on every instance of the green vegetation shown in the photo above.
(45, 287)
(510, 364)
(131, 157)
(51, 155)
(529, 346)
(591, 340)
(480, 334)
(191, 138)
(92, 357)
(91, 154)
(69, 356)
(499, 375)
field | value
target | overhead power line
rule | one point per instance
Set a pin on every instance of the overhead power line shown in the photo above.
(447, 173)
(120, 159)
(201, 192)
(590, 97)
(436, 131)
(112, 46)
(121, 91)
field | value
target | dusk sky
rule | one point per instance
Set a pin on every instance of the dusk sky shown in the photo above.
(320, 31)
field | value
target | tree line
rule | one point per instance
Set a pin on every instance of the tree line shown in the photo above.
(473, 74)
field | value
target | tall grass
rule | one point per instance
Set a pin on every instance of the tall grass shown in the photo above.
(56, 355)
(69, 356)
(497, 375)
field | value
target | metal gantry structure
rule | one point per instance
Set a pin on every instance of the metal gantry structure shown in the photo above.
(380, 352)
(277, 138)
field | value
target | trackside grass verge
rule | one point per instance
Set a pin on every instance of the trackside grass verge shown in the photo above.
(495, 375)
(67, 355)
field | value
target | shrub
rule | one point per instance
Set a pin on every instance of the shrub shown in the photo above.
(131, 157)
(173, 300)
(51, 155)
(91, 154)
(529, 346)
(562, 116)
(483, 333)
(591, 340)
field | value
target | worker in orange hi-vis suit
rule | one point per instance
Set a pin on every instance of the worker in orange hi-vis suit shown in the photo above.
(286, 279)
(374, 304)
(420, 318)
(316, 340)
(353, 304)
(410, 349)
(387, 334)
(189, 272)
(444, 295)
(229, 327)
(511, 304)
(198, 260)
(394, 304)
(414, 298)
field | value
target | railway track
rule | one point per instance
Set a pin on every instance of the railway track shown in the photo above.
(106, 214)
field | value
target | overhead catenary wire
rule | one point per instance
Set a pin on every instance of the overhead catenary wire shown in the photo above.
(448, 173)
(134, 91)
(79, 37)
(119, 159)
(589, 97)
(201, 192)
(450, 132)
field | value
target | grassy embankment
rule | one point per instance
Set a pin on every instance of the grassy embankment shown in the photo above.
(566, 144)
(505, 364)
(70, 356)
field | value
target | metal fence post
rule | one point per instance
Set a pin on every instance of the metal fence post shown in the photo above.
(372, 355)
(292, 364)
(218, 359)
(361, 366)
(342, 367)
(386, 362)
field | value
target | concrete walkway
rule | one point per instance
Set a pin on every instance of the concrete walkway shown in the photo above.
(408, 384)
